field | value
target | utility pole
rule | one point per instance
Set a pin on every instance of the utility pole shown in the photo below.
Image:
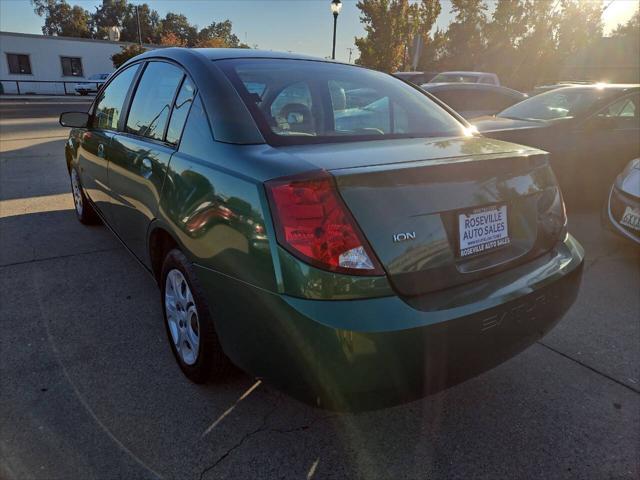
(350, 50)
(139, 32)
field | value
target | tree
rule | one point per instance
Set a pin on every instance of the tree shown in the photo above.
(537, 51)
(62, 19)
(580, 23)
(111, 13)
(170, 39)
(178, 24)
(426, 15)
(630, 29)
(388, 27)
(218, 34)
(126, 52)
(504, 33)
(465, 36)
(149, 24)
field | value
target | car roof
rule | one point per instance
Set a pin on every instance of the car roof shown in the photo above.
(226, 54)
(436, 87)
(600, 86)
(462, 72)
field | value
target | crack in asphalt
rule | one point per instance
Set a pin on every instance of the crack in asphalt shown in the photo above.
(260, 429)
(304, 427)
(237, 445)
(589, 367)
(46, 259)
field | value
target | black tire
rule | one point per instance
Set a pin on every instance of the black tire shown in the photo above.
(211, 363)
(85, 212)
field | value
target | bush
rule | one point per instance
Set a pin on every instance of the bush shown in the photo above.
(126, 53)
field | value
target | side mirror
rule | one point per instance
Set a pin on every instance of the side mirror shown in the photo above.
(74, 119)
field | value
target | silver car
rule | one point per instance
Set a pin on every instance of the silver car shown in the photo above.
(623, 207)
(92, 85)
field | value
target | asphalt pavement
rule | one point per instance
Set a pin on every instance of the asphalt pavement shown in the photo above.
(89, 388)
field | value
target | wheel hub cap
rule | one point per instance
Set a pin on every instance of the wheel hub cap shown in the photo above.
(182, 316)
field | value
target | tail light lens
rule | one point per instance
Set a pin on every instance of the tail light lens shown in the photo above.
(313, 223)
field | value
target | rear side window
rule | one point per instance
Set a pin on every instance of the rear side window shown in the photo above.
(151, 104)
(180, 111)
(197, 140)
(109, 105)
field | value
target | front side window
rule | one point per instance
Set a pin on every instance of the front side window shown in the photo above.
(71, 66)
(110, 103)
(309, 102)
(151, 104)
(19, 64)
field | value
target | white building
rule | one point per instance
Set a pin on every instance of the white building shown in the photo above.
(42, 64)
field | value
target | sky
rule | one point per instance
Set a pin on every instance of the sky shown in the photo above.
(302, 26)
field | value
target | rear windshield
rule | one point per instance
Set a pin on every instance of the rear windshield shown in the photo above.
(302, 101)
(562, 103)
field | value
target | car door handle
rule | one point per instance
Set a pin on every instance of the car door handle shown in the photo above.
(146, 168)
(100, 150)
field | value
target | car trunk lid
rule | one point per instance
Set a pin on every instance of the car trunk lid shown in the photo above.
(413, 212)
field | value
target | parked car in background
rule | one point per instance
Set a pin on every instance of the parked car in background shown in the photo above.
(417, 78)
(466, 77)
(591, 131)
(545, 88)
(474, 99)
(353, 256)
(622, 210)
(93, 84)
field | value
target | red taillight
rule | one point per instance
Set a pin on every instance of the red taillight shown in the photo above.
(312, 223)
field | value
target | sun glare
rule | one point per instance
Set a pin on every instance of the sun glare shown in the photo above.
(618, 12)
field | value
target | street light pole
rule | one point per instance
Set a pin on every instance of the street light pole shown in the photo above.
(138, 20)
(336, 6)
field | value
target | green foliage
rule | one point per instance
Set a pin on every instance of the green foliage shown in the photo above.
(149, 24)
(174, 29)
(629, 30)
(525, 42)
(63, 19)
(177, 24)
(218, 34)
(390, 25)
(125, 54)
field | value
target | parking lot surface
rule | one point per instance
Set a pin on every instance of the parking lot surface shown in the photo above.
(89, 388)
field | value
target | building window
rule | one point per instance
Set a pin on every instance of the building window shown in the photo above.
(71, 66)
(19, 64)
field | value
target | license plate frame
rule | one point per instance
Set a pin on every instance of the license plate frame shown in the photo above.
(631, 212)
(499, 239)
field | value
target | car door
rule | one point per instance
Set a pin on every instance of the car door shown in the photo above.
(609, 141)
(141, 152)
(95, 147)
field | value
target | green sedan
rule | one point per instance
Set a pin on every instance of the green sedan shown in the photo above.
(354, 255)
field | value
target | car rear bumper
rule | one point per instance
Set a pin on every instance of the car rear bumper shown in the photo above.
(360, 354)
(616, 205)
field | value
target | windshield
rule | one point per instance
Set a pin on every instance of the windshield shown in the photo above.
(299, 101)
(562, 103)
(454, 78)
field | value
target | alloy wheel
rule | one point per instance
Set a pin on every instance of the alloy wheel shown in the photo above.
(182, 316)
